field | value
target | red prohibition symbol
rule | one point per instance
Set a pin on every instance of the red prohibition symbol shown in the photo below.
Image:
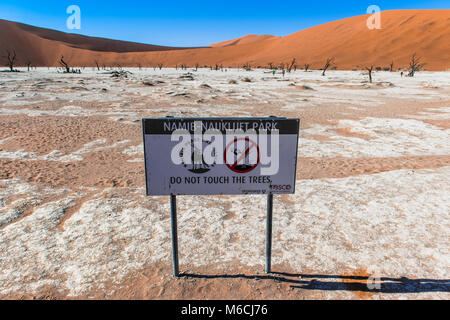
(242, 168)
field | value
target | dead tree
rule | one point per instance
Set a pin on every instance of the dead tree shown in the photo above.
(196, 66)
(28, 63)
(160, 65)
(391, 66)
(64, 65)
(415, 65)
(11, 57)
(270, 65)
(140, 66)
(330, 61)
(370, 69)
(306, 67)
(247, 67)
(96, 63)
(291, 65)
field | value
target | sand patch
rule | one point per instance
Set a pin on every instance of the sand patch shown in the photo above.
(317, 168)
(389, 138)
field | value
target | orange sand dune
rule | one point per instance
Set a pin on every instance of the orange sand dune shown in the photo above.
(404, 32)
(84, 42)
(250, 38)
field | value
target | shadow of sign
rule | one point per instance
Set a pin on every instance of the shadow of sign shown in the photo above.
(342, 283)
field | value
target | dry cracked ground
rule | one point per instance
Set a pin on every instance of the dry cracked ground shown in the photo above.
(369, 220)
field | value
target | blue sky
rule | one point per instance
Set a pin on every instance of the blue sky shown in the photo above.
(194, 22)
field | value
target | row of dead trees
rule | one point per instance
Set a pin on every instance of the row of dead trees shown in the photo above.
(11, 58)
(292, 65)
(415, 65)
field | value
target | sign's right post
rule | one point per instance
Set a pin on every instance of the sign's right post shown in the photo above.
(269, 233)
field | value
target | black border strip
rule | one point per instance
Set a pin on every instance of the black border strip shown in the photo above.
(156, 126)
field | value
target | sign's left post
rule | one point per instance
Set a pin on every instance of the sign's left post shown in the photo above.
(173, 217)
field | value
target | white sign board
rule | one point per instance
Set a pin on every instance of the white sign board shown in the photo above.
(216, 156)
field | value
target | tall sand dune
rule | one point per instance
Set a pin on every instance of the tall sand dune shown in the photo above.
(250, 38)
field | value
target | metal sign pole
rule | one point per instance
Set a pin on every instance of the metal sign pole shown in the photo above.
(173, 217)
(269, 233)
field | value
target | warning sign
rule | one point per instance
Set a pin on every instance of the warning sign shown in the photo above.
(214, 156)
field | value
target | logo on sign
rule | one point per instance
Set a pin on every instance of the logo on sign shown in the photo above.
(248, 155)
(197, 168)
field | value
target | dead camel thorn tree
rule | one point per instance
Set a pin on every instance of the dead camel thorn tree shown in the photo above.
(306, 67)
(415, 65)
(64, 65)
(370, 70)
(391, 66)
(11, 57)
(328, 64)
(291, 65)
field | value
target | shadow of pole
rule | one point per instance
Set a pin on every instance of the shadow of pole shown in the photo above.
(340, 283)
